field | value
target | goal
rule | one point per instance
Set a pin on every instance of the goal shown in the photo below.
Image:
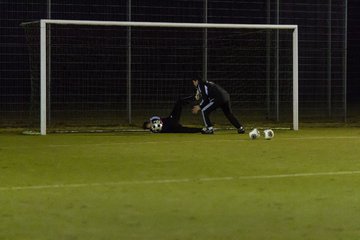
(113, 75)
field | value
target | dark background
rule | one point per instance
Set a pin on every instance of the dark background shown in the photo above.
(354, 54)
(311, 16)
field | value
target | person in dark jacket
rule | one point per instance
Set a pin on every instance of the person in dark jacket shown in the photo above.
(171, 124)
(212, 97)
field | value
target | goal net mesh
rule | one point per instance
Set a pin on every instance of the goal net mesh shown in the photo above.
(89, 67)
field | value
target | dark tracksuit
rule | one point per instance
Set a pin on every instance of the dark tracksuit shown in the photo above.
(213, 97)
(171, 124)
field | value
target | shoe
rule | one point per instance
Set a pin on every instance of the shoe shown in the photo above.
(241, 130)
(207, 131)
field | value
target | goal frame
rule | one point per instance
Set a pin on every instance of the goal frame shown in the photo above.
(43, 53)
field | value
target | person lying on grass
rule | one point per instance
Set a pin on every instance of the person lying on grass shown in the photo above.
(171, 124)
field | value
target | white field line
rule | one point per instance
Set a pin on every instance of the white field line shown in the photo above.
(184, 180)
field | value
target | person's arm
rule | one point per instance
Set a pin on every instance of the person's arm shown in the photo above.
(204, 94)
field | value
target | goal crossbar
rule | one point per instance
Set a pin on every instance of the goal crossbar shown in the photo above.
(43, 49)
(164, 24)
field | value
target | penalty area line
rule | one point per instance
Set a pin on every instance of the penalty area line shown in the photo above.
(184, 180)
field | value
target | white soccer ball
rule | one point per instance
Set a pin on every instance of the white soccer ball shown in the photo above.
(254, 134)
(156, 126)
(268, 134)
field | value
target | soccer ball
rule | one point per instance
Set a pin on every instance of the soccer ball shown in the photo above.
(156, 126)
(254, 134)
(268, 134)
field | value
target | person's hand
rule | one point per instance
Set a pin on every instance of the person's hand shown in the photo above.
(196, 109)
(197, 95)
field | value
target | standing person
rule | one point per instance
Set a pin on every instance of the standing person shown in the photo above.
(212, 97)
(171, 124)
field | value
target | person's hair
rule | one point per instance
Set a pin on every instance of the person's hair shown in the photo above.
(197, 77)
(144, 126)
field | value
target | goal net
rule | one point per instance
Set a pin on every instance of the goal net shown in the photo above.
(96, 75)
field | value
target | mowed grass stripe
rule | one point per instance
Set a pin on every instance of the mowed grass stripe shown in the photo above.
(185, 180)
(186, 141)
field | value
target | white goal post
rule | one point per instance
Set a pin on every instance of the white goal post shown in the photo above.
(43, 53)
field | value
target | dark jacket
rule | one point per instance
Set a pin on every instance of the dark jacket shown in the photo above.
(212, 92)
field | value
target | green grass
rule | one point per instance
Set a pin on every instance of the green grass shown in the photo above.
(300, 185)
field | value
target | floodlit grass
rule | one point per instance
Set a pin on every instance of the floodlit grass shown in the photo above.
(300, 185)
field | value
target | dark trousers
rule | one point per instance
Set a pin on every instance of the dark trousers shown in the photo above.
(226, 108)
(176, 111)
(174, 119)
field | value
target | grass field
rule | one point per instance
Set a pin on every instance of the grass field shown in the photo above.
(300, 185)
